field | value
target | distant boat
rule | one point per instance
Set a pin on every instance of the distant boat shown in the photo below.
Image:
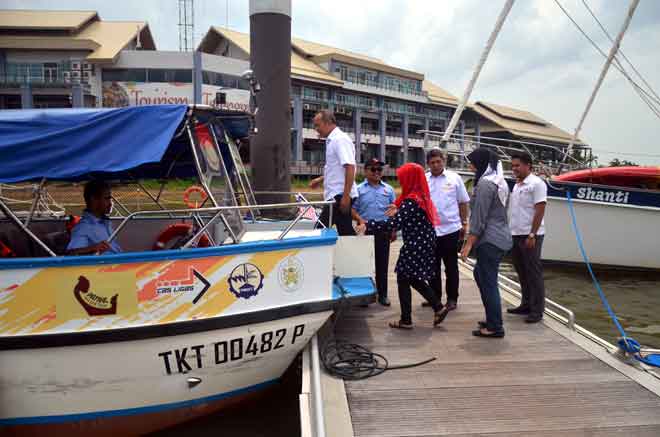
(630, 177)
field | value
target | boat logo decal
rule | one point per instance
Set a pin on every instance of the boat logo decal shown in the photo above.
(185, 285)
(291, 273)
(245, 280)
(94, 304)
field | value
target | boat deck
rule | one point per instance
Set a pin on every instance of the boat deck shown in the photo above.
(539, 380)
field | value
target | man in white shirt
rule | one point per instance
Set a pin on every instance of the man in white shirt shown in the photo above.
(526, 210)
(452, 202)
(338, 174)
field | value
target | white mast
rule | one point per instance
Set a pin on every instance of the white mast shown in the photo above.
(489, 45)
(608, 62)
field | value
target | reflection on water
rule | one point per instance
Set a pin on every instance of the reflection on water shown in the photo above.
(634, 297)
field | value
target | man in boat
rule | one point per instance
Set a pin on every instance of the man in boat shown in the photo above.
(91, 234)
(526, 210)
(338, 174)
(374, 198)
(452, 201)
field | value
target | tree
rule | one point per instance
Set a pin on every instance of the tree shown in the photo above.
(622, 163)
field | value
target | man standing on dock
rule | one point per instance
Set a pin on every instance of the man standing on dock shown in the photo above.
(451, 200)
(374, 198)
(527, 207)
(338, 174)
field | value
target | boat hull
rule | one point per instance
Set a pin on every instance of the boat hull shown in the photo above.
(135, 387)
(618, 226)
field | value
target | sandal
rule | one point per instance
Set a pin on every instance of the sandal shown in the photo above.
(400, 325)
(440, 316)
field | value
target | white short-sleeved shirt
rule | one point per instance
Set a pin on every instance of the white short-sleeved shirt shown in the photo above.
(447, 191)
(339, 151)
(525, 196)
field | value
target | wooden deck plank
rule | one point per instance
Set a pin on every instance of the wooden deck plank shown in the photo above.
(532, 382)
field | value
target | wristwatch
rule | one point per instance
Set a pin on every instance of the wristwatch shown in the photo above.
(531, 235)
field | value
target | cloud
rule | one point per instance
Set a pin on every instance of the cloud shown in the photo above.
(539, 63)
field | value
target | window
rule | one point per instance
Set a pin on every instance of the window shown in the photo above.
(167, 75)
(50, 71)
(125, 75)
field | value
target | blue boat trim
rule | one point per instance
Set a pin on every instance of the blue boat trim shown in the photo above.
(328, 237)
(353, 287)
(41, 420)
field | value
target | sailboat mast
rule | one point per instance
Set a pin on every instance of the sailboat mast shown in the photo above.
(608, 62)
(489, 45)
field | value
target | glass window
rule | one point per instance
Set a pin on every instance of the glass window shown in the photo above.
(125, 75)
(167, 75)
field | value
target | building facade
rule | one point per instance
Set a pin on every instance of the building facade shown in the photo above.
(74, 59)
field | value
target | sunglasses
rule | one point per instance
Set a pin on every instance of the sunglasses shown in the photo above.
(376, 169)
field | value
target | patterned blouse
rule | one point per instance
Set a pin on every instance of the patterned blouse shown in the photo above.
(417, 255)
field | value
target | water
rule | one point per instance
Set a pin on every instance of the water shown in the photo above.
(634, 297)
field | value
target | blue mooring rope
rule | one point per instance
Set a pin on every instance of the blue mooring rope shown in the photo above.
(628, 344)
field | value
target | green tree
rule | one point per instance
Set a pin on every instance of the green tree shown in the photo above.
(622, 163)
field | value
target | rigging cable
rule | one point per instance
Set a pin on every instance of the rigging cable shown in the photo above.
(646, 96)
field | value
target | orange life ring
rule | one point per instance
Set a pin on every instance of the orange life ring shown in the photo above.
(189, 191)
(178, 230)
(5, 251)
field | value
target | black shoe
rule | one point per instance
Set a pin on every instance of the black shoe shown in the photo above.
(478, 333)
(426, 304)
(533, 319)
(518, 310)
(451, 305)
(384, 301)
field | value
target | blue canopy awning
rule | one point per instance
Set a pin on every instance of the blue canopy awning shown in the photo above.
(70, 143)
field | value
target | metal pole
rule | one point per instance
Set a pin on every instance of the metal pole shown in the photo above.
(270, 60)
(477, 71)
(319, 422)
(35, 202)
(606, 67)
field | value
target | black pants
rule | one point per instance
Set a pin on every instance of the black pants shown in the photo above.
(530, 273)
(446, 251)
(405, 295)
(382, 252)
(341, 220)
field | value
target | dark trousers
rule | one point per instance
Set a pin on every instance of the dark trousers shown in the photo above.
(405, 295)
(446, 251)
(527, 263)
(341, 220)
(489, 257)
(382, 252)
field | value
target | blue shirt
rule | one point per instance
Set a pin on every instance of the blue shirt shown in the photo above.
(372, 201)
(92, 230)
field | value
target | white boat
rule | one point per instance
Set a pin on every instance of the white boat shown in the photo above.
(128, 343)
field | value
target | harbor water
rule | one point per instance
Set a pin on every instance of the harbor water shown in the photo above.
(633, 295)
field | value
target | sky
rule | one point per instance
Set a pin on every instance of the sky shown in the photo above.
(540, 62)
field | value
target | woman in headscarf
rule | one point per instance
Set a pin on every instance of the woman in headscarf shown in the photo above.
(489, 235)
(415, 216)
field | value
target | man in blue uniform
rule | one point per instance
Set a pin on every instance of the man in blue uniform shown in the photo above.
(91, 234)
(374, 197)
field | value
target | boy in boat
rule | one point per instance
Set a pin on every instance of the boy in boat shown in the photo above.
(91, 234)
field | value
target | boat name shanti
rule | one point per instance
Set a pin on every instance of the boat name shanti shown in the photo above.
(587, 193)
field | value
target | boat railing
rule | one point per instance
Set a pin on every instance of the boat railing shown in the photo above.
(217, 212)
(478, 140)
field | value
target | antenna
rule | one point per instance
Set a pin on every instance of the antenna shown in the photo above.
(186, 25)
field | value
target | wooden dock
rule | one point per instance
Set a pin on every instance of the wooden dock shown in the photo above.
(538, 380)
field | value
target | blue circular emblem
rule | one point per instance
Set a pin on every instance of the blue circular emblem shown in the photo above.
(245, 280)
